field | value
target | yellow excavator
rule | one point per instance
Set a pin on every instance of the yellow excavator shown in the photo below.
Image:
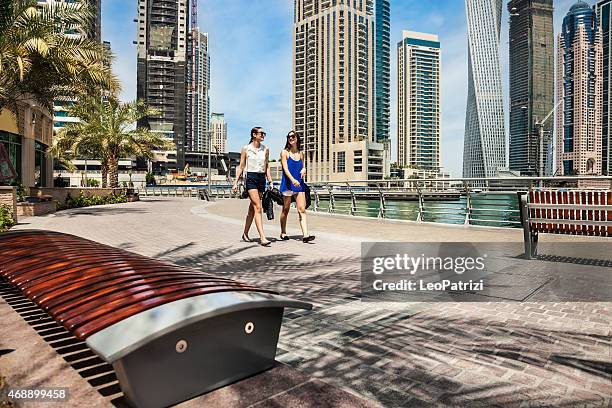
(181, 176)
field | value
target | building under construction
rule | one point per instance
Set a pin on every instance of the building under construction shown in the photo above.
(531, 84)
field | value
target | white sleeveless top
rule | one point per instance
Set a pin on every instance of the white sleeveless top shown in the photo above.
(255, 158)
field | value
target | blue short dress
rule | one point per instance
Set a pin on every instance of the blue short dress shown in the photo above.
(295, 167)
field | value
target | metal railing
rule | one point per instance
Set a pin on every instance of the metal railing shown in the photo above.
(219, 190)
(468, 201)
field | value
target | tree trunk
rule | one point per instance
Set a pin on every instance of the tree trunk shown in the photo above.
(104, 170)
(113, 172)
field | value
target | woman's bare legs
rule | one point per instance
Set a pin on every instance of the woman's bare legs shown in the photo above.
(284, 214)
(249, 219)
(255, 206)
(300, 202)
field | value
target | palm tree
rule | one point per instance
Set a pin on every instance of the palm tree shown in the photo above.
(70, 143)
(107, 131)
(39, 61)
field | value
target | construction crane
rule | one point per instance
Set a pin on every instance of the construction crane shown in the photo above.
(225, 166)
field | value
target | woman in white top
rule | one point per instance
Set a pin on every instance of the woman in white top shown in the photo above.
(254, 162)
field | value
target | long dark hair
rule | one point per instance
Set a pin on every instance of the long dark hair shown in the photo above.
(298, 141)
(254, 131)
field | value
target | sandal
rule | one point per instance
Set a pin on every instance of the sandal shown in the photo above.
(265, 244)
(308, 239)
(284, 237)
(246, 238)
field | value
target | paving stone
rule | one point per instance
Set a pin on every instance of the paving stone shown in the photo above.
(392, 354)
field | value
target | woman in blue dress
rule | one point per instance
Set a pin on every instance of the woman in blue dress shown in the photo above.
(292, 184)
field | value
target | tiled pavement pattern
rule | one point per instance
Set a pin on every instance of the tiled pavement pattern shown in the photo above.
(397, 355)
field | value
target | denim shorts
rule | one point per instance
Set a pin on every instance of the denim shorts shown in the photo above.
(256, 181)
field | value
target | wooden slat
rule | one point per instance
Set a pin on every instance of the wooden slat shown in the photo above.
(106, 290)
(570, 212)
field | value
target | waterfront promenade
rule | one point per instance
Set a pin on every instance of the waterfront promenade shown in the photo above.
(345, 352)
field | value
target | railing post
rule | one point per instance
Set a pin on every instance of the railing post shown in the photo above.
(468, 203)
(316, 199)
(332, 201)
(353, 201)
(381, 204)
(421, 203)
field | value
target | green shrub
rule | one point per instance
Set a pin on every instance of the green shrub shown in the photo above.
(21, 191)
(93, 183)
(150, 179)
(84, 201)
(6, 217)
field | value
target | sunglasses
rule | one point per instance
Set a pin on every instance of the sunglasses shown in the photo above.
(292, 137)
(261, 133)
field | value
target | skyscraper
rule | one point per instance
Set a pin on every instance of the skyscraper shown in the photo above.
(604, 14)
(418, 101)
(383, 69)
(484, 151)
(219, 132)
(531, 83)
(579, 85)
(197, 110)
(162, 52)
(334, 108)
(61, 117)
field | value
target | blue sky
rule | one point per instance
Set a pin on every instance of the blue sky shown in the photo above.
(251, 56)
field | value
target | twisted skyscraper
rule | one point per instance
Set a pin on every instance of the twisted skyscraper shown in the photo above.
(485, 140)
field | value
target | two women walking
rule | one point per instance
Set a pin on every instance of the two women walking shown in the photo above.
(254, 168)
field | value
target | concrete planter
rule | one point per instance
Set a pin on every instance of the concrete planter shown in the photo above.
(35, 209)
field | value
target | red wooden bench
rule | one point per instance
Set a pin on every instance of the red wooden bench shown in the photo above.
(573, 212)
(170, 332)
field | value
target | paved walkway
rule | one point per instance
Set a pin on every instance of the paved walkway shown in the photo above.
(393, 354)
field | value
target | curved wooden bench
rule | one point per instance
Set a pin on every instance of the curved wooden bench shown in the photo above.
(570, 212)
(170, 332)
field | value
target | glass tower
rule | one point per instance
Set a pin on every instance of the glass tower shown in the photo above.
(485, 135)
(604, 14)
(383, 68)
(334, 89)
(197, 107)
(418, 97)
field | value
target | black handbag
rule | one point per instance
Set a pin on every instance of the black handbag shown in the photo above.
(267, 204)
(307, 194)
(242, 190)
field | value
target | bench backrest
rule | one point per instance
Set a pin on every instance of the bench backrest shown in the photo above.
(87, 286)
(575, 212)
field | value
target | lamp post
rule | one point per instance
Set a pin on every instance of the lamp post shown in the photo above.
(210, 134)
(540, 125)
